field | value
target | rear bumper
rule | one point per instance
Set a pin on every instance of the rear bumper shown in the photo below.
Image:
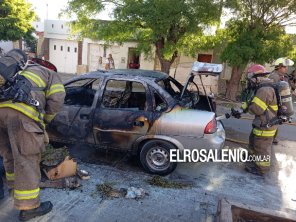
(217, 139)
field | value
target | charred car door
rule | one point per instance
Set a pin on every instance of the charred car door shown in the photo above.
(122, 115)
(74, 122)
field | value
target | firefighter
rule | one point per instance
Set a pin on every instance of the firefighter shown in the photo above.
(280, 74)
(23, 117)
(264, 106)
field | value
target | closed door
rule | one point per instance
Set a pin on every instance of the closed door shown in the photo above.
(122, 115)
(64, 55)
(71, 57)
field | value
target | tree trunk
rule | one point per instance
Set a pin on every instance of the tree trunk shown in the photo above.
(233, 83)
(164, 63)
(20, 42)
(165, 66)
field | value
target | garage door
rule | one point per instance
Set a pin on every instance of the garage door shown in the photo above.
(64, 55)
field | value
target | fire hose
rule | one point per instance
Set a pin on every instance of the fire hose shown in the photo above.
(227, 116)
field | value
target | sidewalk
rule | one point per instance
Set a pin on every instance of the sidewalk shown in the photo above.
(86, 204)
(210, 183)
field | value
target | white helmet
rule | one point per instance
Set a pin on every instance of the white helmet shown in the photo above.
(283, 62)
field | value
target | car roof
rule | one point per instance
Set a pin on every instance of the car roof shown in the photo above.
(156, 75)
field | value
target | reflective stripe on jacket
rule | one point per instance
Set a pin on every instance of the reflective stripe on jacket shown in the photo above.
(50, 95)
(263, 163)
(25, 109)
(264, 107)
(264, 133)
(26, 194)
(9, 176)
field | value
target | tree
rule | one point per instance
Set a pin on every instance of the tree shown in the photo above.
(256, 35)
(15, 19)
(31, 42)
(165, 24)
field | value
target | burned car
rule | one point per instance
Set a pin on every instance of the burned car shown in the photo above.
(146, 113)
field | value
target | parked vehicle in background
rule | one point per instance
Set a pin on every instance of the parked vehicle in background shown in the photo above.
(143, 112)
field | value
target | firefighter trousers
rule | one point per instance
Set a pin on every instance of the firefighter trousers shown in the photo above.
(260, 143)
(21, 144)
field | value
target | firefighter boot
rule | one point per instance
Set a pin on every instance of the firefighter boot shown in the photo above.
(253, 169)
(44, 208)
(275, 141)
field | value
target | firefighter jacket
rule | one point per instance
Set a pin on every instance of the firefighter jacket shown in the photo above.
(264, 106)
(276, 77)
(47, 89)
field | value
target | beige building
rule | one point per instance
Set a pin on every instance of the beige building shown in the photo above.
(76, 57)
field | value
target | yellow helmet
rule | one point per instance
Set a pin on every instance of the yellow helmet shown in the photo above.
(283, 62)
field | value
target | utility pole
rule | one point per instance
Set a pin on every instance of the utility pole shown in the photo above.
(46, 11)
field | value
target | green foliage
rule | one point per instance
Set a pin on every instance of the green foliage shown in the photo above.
(254, 44)
(292, 53)
(163, 182)
(167, 24)
(15, 19)
(257, 34)
(30, 42)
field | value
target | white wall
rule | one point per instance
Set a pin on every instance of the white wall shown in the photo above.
(57, 29)
(92, 50)
(63, 50)
(184, 68)
(64, 55)
(39, 26)
(6, 46)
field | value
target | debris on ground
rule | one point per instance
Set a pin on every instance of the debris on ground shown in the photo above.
(68, 182)
(165, 183)
(135, 193)
(66, 168)
(83, 175)
(60, 169)
(108, 191)
(53, 156)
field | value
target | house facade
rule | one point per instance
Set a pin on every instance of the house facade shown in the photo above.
(75, 57)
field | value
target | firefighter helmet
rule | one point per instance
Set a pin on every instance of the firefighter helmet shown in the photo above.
(256, 69)
(14, 61)
(283, 62)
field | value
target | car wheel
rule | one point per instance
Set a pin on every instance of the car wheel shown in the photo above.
(155, 157)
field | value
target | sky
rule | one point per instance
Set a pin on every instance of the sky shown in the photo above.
(50, 9)
(47, 8)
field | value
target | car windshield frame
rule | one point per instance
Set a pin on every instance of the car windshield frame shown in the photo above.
(170, 80)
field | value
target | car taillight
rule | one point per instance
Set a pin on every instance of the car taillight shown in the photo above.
(211, 127)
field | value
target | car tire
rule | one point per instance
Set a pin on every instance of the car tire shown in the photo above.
(155, 157)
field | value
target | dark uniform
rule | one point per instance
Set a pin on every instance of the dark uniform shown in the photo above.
(264, 107)
(22, 129)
